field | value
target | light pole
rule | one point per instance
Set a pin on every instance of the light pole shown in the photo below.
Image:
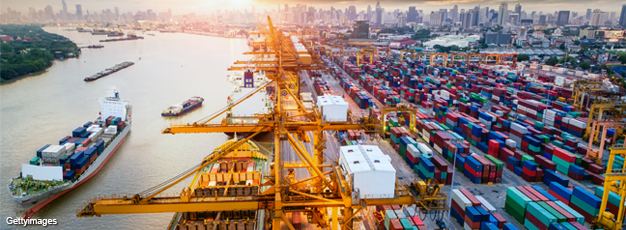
(452, 184)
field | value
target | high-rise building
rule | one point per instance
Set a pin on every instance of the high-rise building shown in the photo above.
(49, 14)
(402, 20)
(622, 17)
(411, 16)
(79, 12)
(117, 12)
(352, 13)
(444, 14)
(368, 16)
(455, 13)
(436, 18)
(64, 7)
(518, 9)
(379, 14)
(542, 20)
(503, 14)
(562, 18)
(598, 18)
(588, 16)
(612, 16)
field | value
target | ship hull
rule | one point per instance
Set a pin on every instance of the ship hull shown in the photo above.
(184, 110)
(34, 203)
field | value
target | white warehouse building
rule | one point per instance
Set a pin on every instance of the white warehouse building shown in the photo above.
(371, 170)
(334, 108)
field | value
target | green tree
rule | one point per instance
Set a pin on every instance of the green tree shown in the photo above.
(421, 34)
(552, 61)
(21, 57)
(585, 65)
(523, 57)
(622, 58)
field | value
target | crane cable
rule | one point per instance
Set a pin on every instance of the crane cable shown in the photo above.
(161, 185)
(209, 117)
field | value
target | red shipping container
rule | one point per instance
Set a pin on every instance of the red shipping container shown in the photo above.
(471, 224)
(395, 225)
(470, 197)
(535, 221)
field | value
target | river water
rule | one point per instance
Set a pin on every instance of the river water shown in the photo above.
(41, 109)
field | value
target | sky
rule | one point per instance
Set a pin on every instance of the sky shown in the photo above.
(209, 6)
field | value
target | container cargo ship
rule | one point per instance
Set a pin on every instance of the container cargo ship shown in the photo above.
(259, 103)
(109, 71)
(129, 37)
(182, 108)
(57, 169)
(238, 174)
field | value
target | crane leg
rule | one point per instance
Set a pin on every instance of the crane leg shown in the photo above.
(334, 224)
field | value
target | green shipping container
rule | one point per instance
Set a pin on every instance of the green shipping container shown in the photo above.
(559, 217)
(498, 163)
(541, 214)
(406, 224)
(35, 161)
(579, 218)
(584, 206)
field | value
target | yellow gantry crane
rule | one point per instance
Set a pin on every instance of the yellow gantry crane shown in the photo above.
(581, 89)
(614, 181)
(290, 123)
(365, 51)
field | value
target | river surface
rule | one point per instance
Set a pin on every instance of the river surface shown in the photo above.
(169, 68)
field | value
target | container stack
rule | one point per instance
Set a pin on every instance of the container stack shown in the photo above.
(537, 209)
(53, 153)
(441, 170)
(461, 200)
(79, 162)
(425, 169)
(517, 132)
(585, 203)
(530, 171)
(563, 159)
(560, 192)
(537, 217)
(499, 166)
(404, 143)
(552, 176)
(473, 170)
(614, 200)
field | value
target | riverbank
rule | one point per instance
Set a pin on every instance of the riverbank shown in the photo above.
(28, 49)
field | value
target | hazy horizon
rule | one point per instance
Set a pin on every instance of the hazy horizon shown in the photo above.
(179, 7)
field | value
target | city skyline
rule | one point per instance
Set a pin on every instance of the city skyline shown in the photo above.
(207, 7)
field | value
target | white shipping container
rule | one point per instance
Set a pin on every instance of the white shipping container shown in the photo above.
(519, 128)
(577, 123)
(413, 151)
(425, 150)
(549, 115)
(460, 199)
(69, 147)
(53, 153)
(510, 143)
(485, 203)
(437, 148)
(111, 130)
